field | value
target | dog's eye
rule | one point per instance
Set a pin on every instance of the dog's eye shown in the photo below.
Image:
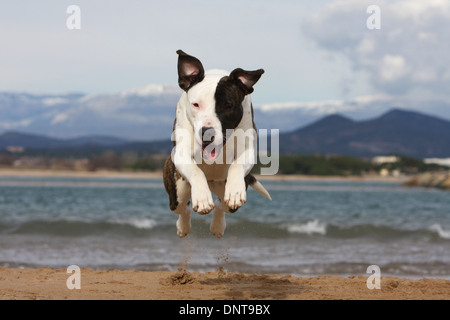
(229, 106)
(195, 105)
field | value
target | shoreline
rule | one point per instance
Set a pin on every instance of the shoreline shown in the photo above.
(36, 173)
(51, 284)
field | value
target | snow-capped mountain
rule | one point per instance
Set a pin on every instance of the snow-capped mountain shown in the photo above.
(140, 114)
(147, 113)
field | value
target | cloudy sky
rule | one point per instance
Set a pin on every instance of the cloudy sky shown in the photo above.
(315, 52)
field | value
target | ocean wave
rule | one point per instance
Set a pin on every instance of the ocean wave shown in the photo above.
(309, 227)
(146, 227)
(444, 234)
(73, 228)
(137, 223)
(320, 228)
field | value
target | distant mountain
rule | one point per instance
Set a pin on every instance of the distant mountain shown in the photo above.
(140, 114)
(395, 132)
(147, 113)
(37, 145)
(32, 141)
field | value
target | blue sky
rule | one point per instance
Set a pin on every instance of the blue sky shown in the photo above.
(128, 44)
(311, 50)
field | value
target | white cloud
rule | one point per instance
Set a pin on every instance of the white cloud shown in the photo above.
(316, 107)
(420, 10)
(54, 101)
(366, 45)
(409, 53)
(152, 90)
(393, 68)
(425, 75)
(326, 107)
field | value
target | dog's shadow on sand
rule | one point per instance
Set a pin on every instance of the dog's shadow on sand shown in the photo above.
(254, 286)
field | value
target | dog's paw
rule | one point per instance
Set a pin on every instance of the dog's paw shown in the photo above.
(218, 224)
(235, 194)
(202, 201)
(183, 225)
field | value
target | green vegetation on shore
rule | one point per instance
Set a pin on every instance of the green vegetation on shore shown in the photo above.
(341, 165)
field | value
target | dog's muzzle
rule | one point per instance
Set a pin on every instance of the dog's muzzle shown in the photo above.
(207, 135)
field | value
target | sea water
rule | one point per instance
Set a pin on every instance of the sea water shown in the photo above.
(309, 228)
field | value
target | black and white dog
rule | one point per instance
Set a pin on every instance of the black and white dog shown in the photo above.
(208, 155)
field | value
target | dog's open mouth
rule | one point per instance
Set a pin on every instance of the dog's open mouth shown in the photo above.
(210, 151)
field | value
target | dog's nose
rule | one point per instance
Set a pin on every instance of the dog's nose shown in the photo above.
(208, 134)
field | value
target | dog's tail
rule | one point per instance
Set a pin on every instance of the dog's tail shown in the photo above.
(251, 181)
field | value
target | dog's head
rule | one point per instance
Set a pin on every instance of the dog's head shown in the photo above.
(215, 100)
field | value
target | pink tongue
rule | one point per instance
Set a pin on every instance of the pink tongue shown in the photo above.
(209, 156)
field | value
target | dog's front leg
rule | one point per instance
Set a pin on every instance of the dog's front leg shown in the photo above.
(235, 191)
(202, 201)
(183, 159)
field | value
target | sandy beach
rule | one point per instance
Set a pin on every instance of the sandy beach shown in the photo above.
(46, 283)
(8, 172)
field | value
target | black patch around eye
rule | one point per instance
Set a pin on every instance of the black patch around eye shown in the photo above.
(229, 99)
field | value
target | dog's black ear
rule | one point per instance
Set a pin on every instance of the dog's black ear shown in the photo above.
(246, 79)
(190, 70)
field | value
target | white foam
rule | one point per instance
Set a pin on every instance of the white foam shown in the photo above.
(310, 227)
(138, 223)
(445, 234)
